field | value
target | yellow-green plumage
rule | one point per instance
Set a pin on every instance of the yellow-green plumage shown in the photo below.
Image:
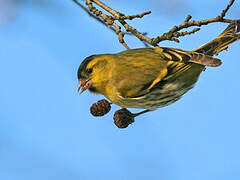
(152, 77)
(146, 80)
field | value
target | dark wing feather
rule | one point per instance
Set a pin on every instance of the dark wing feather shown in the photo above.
(178, 55)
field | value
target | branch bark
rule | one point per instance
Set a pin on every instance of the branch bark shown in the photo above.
(116, 20)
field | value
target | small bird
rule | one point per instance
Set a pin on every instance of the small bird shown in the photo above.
(153, 77)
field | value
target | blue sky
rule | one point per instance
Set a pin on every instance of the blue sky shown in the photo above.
(47, 132)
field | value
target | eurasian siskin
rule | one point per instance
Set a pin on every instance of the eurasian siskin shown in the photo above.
(151, 78)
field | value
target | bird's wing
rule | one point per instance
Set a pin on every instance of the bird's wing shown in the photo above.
(136, 71)
(146, 73)
(180, 61)
(178, 55)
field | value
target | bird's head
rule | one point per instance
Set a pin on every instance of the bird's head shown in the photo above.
(93, 73)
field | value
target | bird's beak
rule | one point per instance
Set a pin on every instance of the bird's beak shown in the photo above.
(84, 84)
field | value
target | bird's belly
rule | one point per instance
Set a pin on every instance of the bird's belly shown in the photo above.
(165, 92)
(160, 97)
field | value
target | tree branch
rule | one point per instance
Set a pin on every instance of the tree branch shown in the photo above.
(173, 34)
(91, 15)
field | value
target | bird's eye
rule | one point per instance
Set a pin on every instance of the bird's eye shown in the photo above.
(89, 71)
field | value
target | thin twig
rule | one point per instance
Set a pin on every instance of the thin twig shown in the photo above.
(91, 15)
(117, 15)
(133, 16)
(172, 35)
(98, 19)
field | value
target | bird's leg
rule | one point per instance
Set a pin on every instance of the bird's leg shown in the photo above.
(123, 117)
(142, 112)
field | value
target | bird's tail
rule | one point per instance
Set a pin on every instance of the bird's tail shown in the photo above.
(220, 43)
